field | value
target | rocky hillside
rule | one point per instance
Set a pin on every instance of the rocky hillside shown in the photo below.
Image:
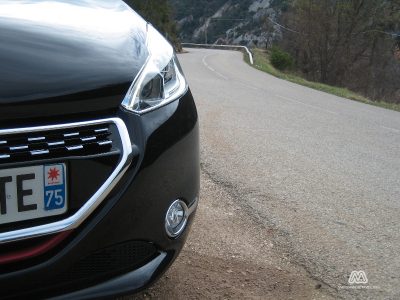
(242, 22)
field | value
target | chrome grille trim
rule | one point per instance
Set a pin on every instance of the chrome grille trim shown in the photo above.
(39, 152)
(87, 209)
(24, 147)
(73, 148)
(88, 139)
(104, 143)
(56, 143)
(72, 134)
(101, 130)
(42, 138)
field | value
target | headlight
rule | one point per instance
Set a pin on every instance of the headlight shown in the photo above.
(160, 81)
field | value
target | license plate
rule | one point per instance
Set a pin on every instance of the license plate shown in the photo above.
(32, 192)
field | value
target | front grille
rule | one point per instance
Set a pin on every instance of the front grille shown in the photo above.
(98, 266)
(115, 259)
(58, 143)
(96, 153)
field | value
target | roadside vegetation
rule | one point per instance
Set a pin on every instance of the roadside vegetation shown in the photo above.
(262, 62)
(159, 14)
(351, 44)
(354, 44)
(349, 48)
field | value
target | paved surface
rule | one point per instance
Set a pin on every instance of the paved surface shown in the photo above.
(321, 171)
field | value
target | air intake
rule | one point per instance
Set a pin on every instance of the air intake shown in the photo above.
(115, 259)
(48, 144)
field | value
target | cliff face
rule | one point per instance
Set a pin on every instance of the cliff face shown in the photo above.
(241, 22)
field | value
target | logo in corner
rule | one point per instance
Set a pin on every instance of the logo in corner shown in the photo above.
(358, 277)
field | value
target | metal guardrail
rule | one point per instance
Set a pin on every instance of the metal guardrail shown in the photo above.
(230, 47)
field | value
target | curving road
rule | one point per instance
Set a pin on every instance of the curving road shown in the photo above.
(322, 171)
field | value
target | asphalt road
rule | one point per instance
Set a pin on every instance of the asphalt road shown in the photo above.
(322, 171)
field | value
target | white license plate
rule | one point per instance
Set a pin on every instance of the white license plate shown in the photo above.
(32, 192)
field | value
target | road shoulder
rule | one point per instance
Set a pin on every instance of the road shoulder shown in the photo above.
(230, 255)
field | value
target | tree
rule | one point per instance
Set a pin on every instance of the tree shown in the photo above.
(346, 43)
(158, 13)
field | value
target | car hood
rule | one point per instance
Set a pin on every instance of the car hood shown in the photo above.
(65, 57)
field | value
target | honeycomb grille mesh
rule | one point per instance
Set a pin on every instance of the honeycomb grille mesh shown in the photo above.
(96, 267)
(117, 258)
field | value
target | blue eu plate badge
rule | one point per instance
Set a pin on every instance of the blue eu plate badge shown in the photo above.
(54, 187)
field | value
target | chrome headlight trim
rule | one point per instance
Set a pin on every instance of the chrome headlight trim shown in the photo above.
(160, 80)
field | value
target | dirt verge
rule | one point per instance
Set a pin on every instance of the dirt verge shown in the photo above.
(229, 255)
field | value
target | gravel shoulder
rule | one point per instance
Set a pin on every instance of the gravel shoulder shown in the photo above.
(230, 254)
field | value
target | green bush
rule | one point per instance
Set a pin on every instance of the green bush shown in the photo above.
(280, 59)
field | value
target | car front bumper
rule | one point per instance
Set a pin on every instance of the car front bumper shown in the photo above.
(122, 246)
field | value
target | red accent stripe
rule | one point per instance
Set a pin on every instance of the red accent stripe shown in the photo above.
(34, 251)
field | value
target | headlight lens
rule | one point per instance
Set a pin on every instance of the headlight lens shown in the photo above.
(160, 81)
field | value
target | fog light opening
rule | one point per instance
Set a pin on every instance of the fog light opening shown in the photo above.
(176, 218)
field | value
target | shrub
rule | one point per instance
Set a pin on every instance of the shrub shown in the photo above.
(280, 59)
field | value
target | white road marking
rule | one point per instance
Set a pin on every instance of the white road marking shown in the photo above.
(247, 86)
(211, 69)
(306, 104)
(391, 129)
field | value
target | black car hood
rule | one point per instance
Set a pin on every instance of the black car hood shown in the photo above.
(64, 57)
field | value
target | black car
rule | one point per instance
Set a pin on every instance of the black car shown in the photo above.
(99, 150)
